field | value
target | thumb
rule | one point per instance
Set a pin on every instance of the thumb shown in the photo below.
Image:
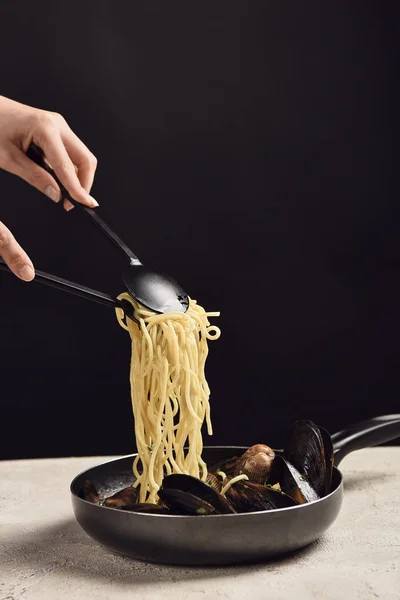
(22, 166)
(14, 256)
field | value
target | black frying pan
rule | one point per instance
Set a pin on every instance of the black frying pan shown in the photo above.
(218, 539)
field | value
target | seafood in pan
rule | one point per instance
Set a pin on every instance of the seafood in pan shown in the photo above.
(257, 480)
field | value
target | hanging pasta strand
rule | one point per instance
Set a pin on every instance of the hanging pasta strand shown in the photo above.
(169, 392)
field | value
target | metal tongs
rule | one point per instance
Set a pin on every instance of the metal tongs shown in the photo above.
(156, 291)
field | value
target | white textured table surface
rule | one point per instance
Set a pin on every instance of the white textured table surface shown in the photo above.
(44, 555)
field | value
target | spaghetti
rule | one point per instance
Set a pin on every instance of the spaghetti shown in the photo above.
(169, 391)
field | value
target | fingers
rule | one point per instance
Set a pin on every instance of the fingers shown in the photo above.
(67, 204)
(71, 160)
(14, 256)
(22, 166)
(82, 158)
(53, 147)
(84, 161)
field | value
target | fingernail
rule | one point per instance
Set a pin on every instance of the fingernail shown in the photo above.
(52, 193)
(26, 273)
(93, 202)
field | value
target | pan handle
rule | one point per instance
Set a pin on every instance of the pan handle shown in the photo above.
(364, 434)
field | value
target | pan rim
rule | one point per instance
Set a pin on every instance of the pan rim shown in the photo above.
(161, 516)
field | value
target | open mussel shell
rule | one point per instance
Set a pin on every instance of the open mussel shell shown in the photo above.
(126, 496)
(146, 507)
(329, 458)
(277, 498)
(196, 487)
(305, 450)
(90, 493)
(291, 481)
(184, 503)
(246, 496)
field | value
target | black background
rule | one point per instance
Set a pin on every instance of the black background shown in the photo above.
(250, 150)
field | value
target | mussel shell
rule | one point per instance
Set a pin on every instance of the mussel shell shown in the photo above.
(90, 492)
(245, 500)
(304, 449)
(126, 496)
(306, 489)
(145, 507)
(329, 458)
(278, 499)
(198, 488)
(184, 503)
(291, 481)
(252, 497)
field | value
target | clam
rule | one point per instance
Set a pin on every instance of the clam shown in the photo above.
(302, 474)
(215, 482)
(260, 448)
(256, 465)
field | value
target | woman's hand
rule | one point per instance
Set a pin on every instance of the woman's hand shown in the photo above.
(73, 163)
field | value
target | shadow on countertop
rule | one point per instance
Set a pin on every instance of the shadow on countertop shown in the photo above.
(65, 548)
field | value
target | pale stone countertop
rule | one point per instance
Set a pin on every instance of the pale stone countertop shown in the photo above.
(44, 555)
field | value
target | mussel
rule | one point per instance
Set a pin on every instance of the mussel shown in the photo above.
(291, 482)
(192, 496)
(329, 459)
(309, 450)
(183, 503)
(272, 481)
(246, 496)
(126, 496)
(145, 507)
(90, 492)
